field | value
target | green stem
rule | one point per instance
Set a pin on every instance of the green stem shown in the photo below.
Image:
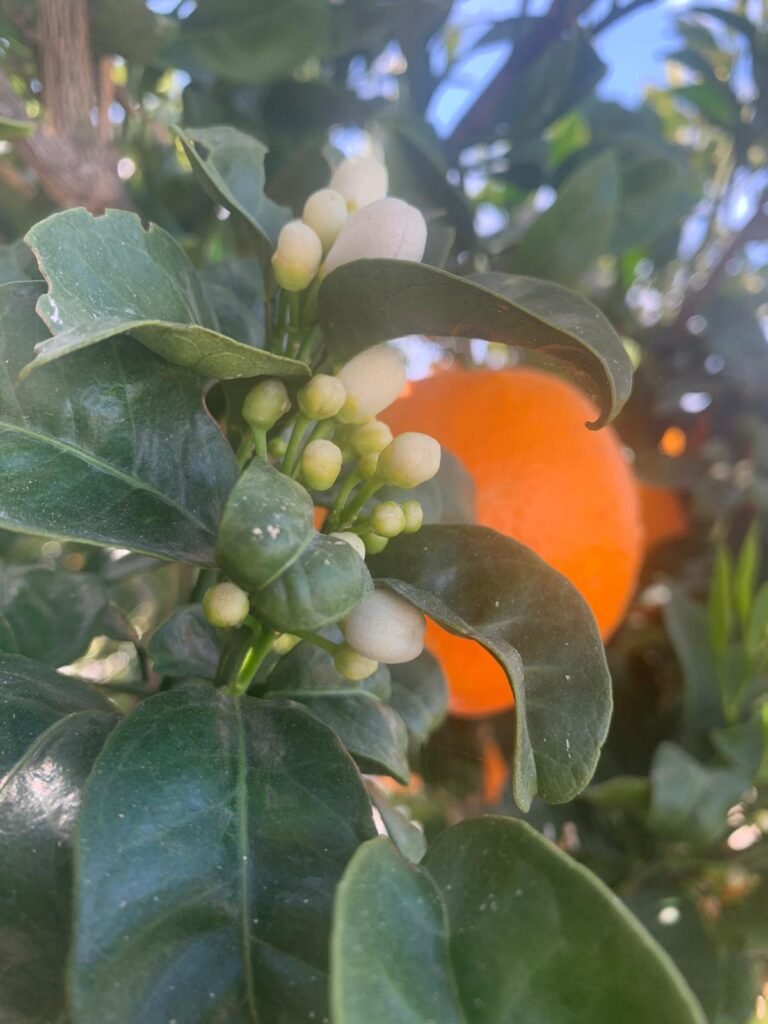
(320, 641)
(249, 666)
(282, 312)
(244, 452)
(205, 579)
(310, 301)
(306, 346)
(260, 442)
(350, 513)
(341, 499)
(291, 460)
(322, 430)
(294, 302)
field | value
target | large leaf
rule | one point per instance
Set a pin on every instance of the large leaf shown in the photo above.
(235, 290)
(17, 263)
(53, 615)
(129, 28)
(32, 698)
(485, 933)
(419, 695)
(230, 166)
(212, 893)
(108, 276)
(369, 301)
(489, 588)
(112, 446)
(186, 645)
(39, 803)
(689, 800)
(580, 226)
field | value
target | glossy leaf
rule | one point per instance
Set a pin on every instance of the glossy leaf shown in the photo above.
(266, 525)
(310, 668)
(32, 698)
(578, 228)
(39, 802)
(419, 695)
(468, 938)
(54, 615)
(186, 645)
(689, 800)
(370, 301)
(230, 166)
(107, 276)
(484, 586)
(78, 461)
(212, 892)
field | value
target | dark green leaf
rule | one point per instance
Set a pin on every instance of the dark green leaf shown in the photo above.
(108, 276)
(17, 263)
(55, 614)
(266, 525)
(39, 802)
(390, 953)
(714, 100)
(407, 837)
(738, 22)
(235, 290)
(230, 166)
(369, 301)
(308, 667)
(690, 801)
(8, 642)
(419, 695)
(112, 446)
(32, 698)
(186, 645)
(128, 28)
(756, 638)
(744, 745)
(212, 892)
(720, 605)
(489, 588)
(578, 228)
(449, 497)
(629, 793)
(746, 574)
(486, 933)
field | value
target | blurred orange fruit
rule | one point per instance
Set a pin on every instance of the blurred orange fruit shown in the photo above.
(540, 477)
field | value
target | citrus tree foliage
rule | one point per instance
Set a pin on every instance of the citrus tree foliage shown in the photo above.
(188, 813)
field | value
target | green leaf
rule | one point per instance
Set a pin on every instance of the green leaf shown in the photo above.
(54, 615)
(186, 645)
(714, 101)
(407, 837)
(390, 946)
(744, 745)
(17, 263)
(230, 166)
(449, 497)
(235, 290)
(468, 938)
(32, 698)
(370, 301)
(629, 793)
(690, 801)
(39, 802)
(322, 586)
(112, 446)
(266, 525)
(12, 128)
(212, 893)
(578, 228)
(720, 605)
(419, 695)
(108, 276)
(128, 28)
(756, 638)
(310, 668)
(745, 575)
(489, 588)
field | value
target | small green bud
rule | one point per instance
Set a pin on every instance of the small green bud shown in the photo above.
(322, 397)
(366, 467)
(285, 643)
(374, 544)
(353, 539)
(411, 459)
(386, 627)
(321, 464)
(388, 519)
(277, 447)
(353, 666)
(414, 516)
(226, 605)
(370, 438)
(265, 403)
(297, 257)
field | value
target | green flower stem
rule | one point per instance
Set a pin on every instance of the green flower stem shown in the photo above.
(260, 441)
(320, 641)
(282, 313)
(322, 430)
(294, 303)
(244, 452)
(250, 664)
(341, 499)
(350, 513)
(306, 346)
(310, 301)
(206, 578)
(295, 445)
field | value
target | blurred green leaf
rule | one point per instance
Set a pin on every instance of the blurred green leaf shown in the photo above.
(745, 575)
(185, 646)
(419, 695)
(720, 604)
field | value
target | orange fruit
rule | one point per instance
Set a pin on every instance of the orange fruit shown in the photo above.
(540, 477)
(663, 514)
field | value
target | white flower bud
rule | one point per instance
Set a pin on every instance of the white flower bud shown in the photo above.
(265, 403)
(225, 605)
(285, 643)
(297, 257)
(353, 539)
(353, 666)
(322, 397)
(414, 516)
(388, 519)
(361, 180)
(321, 464)
(411, 459)
(326, 213)
(372, 437)
(386, 627)
(374, 543)
(373, 380)
(387, 229)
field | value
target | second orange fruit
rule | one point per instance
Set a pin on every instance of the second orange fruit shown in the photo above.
(541, 477)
